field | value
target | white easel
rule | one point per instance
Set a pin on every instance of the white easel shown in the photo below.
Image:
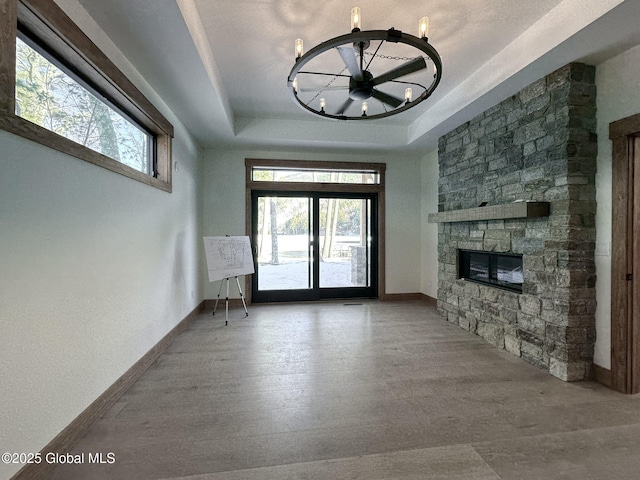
(228, 257)
(226, 300)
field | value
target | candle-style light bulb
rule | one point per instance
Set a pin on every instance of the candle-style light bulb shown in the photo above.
(408, 94)
(423, 27)
(356, 19)
(295, 85)
(365, 107)
(299, 47)
(323, 103)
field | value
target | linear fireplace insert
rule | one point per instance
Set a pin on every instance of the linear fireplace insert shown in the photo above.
(502, 270)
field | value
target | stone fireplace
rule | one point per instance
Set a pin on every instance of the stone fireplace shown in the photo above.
(538, 146)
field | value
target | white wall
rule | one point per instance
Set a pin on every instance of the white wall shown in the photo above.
(430, 173)
(617, 84)
(95, 269)
(224, 206)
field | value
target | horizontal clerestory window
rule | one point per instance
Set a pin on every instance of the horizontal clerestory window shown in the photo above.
(66, 94)
(48, 96)
(314, 176)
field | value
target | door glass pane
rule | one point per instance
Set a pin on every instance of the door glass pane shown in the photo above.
(284, 259)
(344, 239)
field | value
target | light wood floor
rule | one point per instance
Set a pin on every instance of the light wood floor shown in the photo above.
(369, 391)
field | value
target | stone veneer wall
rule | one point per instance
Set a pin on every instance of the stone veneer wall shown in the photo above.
(537, 145)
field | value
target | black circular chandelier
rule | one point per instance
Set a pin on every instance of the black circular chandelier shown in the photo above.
(365, 75)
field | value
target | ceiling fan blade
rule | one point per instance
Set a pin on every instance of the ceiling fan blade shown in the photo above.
(386, 98)
(405, 69)
(323, 89)
(344, 106)
(349, 58)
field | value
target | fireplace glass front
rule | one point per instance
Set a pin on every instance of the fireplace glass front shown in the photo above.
(496, 269)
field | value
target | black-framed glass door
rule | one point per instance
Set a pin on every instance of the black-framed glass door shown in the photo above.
(314, 245)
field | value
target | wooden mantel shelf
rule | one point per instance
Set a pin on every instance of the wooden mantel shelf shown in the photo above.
(493, 212)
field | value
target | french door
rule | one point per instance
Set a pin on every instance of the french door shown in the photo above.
(313, 245)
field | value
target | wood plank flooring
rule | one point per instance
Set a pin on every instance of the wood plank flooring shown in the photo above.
(373, 390)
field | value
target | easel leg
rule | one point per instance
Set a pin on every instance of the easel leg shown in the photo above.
(216, 305)
(244, 304)
(226, 306)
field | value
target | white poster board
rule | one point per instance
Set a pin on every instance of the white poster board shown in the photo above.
(228, 257)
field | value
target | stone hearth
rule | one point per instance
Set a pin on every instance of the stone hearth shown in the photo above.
(538, 145)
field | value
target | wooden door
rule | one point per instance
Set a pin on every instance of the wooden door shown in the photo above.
(625, 255)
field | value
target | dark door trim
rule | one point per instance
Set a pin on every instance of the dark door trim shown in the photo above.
(625, 255)
(324, 188)
(316, 292)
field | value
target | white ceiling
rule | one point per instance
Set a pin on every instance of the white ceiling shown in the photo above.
(222, 65)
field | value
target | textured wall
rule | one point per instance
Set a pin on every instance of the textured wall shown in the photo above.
(537, 145)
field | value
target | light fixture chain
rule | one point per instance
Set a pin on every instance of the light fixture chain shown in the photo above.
(326, 86)
(379, 55)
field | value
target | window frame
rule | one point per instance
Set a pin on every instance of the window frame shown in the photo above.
(47, 25)
(339, 188)
(376, 168)
(329, 171)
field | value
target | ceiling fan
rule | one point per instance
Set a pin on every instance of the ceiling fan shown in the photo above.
(363, 85)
